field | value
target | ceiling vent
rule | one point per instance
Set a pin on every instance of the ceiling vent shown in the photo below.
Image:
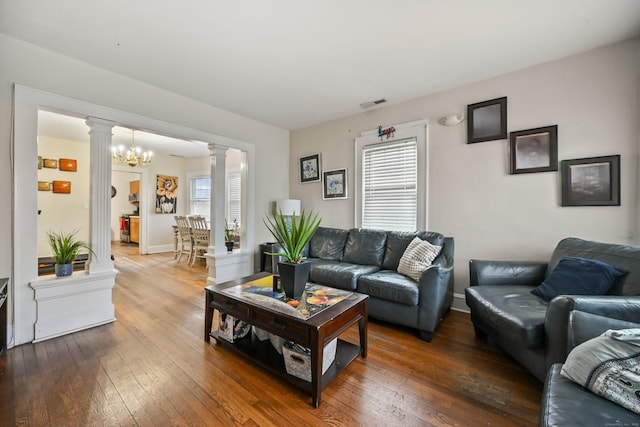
(370, 104)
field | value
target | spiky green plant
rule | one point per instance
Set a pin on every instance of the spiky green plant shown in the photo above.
(65, 246)
(292, 238)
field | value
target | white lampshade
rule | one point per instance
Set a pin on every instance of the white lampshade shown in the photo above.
(288, 207)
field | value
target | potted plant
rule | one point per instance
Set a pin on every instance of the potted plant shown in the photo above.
(230, 234)
(292, 235)
(66, 248)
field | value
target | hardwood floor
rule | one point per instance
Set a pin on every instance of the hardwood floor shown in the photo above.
(152, 368)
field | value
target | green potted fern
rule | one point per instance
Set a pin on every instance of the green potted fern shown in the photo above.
(292, 237)
(66, 248)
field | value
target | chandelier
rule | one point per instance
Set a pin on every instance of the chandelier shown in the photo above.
(134, 156)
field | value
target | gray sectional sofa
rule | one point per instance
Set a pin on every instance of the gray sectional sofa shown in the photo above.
(366, 261)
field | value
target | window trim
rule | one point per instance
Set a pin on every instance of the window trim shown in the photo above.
(418, 130)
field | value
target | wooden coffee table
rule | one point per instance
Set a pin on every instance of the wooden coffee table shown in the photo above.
(314, 332)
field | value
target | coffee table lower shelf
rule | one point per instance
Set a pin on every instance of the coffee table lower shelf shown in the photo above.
(263, 353)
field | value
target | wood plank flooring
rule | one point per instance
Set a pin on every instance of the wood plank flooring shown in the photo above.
(152, 368)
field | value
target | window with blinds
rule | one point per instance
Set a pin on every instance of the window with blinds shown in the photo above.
(234, 197)
(390, 195)
(200, 196)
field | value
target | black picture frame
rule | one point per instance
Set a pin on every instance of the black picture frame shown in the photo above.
(334, 184)
(592, 181)
(487, 120)
(534, 150)
(310, 168)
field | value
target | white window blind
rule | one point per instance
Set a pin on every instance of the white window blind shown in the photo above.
(200, 196)
(234, 197)
(390, 175)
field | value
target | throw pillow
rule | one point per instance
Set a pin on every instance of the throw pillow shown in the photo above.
(609, 366)
(578, 276)
(417, 258)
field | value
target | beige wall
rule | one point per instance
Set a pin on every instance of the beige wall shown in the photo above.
(63, 212)
(592, 97)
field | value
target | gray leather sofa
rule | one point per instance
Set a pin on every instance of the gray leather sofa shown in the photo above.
(565, 403)
(366, 261)
(536, 332)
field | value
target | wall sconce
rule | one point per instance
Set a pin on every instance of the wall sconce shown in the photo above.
(451, 119)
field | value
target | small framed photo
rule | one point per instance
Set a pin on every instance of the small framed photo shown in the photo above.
(310, 168)
(487, 120)
(334, 184)
(534, 150)
(593, 181)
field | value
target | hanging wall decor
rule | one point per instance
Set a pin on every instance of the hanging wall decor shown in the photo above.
(593, 181)
(389, 132)
(50, 163)
(487, 120)
(63, 187)
(310, 168)
(68, 165)
(534, 150)
(166, 194)
(334, 184)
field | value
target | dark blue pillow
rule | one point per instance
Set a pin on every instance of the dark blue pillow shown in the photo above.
(578, 276)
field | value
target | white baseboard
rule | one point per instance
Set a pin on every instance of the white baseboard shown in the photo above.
(459, 303)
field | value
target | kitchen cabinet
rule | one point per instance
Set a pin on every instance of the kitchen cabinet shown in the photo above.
(134, 229)
(134, 187)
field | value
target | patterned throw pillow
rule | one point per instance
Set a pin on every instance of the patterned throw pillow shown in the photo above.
(417, 258)
(609, 366)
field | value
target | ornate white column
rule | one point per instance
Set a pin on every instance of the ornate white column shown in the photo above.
(223, 265)
(100, 203)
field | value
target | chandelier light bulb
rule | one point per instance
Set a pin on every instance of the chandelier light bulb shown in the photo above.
(134, 156)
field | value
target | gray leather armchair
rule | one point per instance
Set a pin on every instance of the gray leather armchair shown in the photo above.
(533, 331)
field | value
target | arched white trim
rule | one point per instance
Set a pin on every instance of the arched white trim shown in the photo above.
(27, 101)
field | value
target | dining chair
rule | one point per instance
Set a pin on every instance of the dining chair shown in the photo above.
(186, 242)
(200, 232)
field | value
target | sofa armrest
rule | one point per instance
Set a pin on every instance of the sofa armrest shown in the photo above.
(557, 324)
(528, 273)
(583, 326)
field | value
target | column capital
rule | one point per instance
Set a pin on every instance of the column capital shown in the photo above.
(217, 149)
(98, 124)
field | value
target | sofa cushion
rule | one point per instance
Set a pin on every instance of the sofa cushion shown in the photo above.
(578, 276)
(609, 366)
(391, 286)
(513, 311)
(417, 258)
(625, 257)
(338, 274)
(328, 243)
(397, 242)
(365, 246)
(564, 403)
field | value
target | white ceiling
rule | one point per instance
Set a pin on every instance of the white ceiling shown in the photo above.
(296, 63)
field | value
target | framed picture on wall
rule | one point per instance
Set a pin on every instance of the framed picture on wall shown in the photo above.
(593, 181)
(487, 120)
(334, 184)
(166, 194)
(534, 150)
(310, 168)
